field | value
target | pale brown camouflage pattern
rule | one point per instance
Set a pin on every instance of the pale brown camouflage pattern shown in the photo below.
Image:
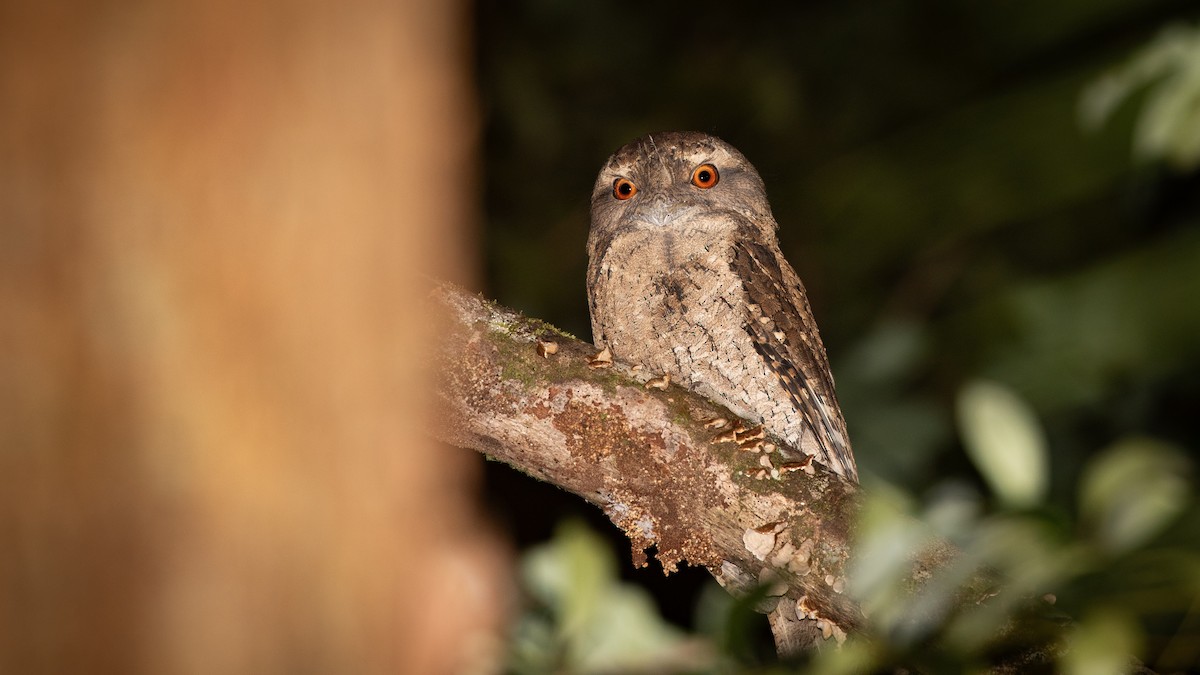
(690, 282)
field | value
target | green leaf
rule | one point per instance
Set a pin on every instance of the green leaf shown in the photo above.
(596, 624)
(1133, 490)
(1103, 643)
(1168, 69)
(1004, 440)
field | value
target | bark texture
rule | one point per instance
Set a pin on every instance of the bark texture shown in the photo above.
(673, 470)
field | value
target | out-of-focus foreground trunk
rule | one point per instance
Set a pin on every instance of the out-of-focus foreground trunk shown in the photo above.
(214, 219)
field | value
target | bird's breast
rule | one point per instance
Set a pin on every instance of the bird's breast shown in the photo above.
(666, 305)
(689, 320)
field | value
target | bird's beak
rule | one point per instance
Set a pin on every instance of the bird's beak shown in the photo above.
(658, 210)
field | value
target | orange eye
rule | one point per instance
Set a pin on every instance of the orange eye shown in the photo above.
(623, 188)
(705, 176)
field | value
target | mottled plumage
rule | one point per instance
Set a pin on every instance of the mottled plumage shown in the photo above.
(685, 277)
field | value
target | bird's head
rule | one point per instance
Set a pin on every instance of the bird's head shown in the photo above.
(661, 179)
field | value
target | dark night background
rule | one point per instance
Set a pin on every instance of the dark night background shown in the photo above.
(937, 189)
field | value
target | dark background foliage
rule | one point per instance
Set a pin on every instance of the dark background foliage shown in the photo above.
(936, 188)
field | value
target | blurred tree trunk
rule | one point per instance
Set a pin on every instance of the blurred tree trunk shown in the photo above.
(213, 221)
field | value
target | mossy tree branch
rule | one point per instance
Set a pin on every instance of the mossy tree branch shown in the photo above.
(658, 461)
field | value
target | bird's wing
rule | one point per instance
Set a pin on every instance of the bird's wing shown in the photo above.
(781, 326)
